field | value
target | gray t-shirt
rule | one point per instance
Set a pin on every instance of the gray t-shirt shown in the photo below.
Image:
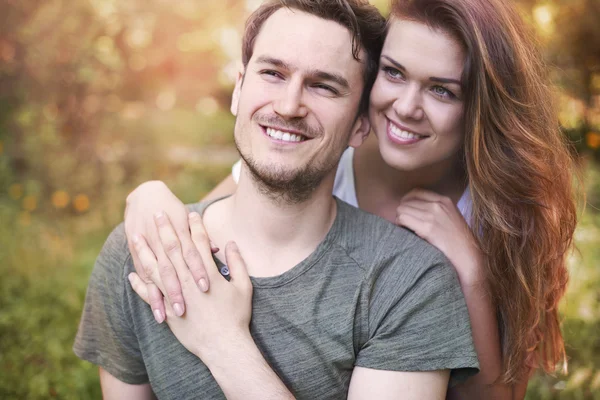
(371, 295)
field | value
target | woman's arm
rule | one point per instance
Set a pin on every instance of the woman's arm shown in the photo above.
(436, 219)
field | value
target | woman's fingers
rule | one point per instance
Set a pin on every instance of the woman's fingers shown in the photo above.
(192, 256)
(139, 286)
(149, 264)
(421, 222)
(237, 267)
(173, 269)
(204, 247)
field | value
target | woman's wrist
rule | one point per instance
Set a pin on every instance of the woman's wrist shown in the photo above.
(470, 271)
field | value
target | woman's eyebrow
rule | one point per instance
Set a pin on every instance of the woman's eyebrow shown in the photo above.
(431, 78)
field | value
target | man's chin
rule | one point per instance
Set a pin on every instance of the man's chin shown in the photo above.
(287, 185)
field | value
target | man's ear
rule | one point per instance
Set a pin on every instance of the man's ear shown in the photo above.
(360, 131)
(235, 98)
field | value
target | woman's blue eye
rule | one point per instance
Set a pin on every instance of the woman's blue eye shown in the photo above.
(443, 92)
(392, 72)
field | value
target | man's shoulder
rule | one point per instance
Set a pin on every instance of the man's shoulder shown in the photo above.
(202, 205)
(375, 242)
(116, 243)
(114, 261)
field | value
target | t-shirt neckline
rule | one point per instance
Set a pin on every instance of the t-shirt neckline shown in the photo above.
(306, 264)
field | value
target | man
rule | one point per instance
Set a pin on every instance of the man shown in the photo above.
(343, 304)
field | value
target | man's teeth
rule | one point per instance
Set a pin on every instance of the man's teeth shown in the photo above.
(403, 134)
(284, 136)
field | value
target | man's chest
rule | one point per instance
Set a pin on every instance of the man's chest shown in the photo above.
(309, 337)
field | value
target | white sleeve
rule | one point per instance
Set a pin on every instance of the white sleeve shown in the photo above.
(236, 170)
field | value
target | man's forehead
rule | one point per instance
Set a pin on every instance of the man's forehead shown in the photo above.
(306, 41)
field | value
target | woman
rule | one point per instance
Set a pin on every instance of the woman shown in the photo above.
(467, 153)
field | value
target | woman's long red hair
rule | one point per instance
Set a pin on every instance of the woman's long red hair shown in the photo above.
(520, 171)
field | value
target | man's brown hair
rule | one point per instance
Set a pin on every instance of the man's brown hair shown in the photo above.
(363, 20)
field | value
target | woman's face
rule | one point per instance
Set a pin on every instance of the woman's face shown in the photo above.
(417, 104)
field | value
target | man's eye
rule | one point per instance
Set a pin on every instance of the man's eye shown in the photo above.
(326, 88)
(393, 73)
(270, 73)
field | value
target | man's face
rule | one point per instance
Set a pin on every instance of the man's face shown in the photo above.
(297, 102)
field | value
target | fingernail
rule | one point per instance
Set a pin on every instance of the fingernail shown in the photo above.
(158, 316)
(193, 215)
(213, 248)
(130, 277)
(178, 309)
(159, 215)
(233, 246)
(203, 285)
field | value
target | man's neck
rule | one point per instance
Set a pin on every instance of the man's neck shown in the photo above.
(273, 236)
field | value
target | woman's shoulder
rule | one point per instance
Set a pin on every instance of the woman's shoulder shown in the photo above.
(344, 187)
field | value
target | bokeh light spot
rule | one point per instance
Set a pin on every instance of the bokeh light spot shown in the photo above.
(207, 106)
(104, 44)
(166, 100)
(133, 110)
(592, 139)
(29, 203)
(81, 203)
(138, 38)
(544, 18)
(60, 199)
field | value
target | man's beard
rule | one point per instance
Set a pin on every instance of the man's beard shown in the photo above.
(287, 186)
(284, 186)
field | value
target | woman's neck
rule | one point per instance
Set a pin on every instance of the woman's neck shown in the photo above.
(380, 187)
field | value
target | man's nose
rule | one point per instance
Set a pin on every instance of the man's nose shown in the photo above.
(409, 104)
(290, 103)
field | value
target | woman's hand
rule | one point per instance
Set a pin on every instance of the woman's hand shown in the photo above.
(143, 204)
(216, 319)
(436, 219)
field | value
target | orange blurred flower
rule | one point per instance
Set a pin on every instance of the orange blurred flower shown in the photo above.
(60, 199)
(592, 139)
(29, 203)
(81, 203)
(15, 191)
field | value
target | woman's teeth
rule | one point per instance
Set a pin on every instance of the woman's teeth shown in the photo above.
(403, 134)
(284, 136)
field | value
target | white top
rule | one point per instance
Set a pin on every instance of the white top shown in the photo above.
(344, 188)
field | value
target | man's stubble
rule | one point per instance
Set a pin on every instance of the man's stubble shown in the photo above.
(283, 185)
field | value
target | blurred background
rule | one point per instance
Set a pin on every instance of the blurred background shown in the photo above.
(97, 96)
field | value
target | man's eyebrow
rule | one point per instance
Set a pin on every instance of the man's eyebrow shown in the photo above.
(273, 61)
(316, 73)
(431, 78)
(330, 76)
